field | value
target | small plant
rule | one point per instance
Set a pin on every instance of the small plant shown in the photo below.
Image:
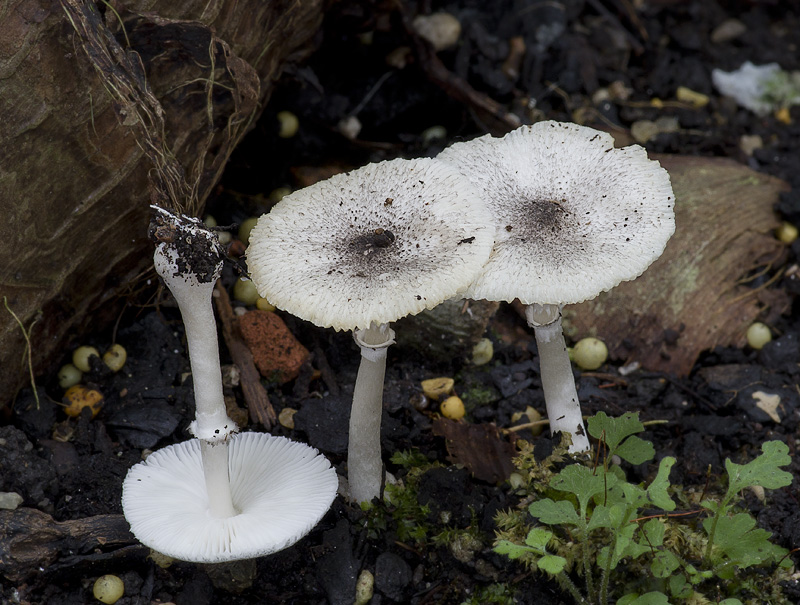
(623, 539)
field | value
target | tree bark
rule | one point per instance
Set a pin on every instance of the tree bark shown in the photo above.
(75, 166)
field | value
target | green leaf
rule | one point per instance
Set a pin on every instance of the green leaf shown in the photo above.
(554, 513)
(583, 482)
(552, 564)
(730, 601)
(601, 517)
(538, 538)
(635, 450)
(763, 470)
(664, 563)
(650, 598)
(741, 542)
(615, 430)
(679, 587)
(654, 531)
(624, 546)
(657, 490)
(511, 550)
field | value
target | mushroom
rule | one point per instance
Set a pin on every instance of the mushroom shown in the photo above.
(574, 218)
(197, 500)
(361, 250)
(280, 490)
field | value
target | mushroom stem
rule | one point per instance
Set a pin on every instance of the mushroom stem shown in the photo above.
(558, 382)
(364, 464)
(189, 262)
(218, 481)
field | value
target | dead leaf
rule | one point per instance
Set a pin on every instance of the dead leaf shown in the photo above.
(479, 447)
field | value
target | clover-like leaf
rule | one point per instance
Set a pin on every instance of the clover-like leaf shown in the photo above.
(552, 564)
(554, 513)
(664, 564)
(538, 538)
(763, 470)
(616, 433)
(511, 550)
(657, 490)
(583, 482)
(741, 541)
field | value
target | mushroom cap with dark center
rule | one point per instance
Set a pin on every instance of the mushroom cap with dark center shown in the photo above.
(372, 245)
(574, 215)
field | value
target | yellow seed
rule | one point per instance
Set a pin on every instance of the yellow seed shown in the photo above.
(758, 335)
(286, 417)
(163, 561)
(209, 221)
(264, 304)
(590, 353)
(783, 115)
(482, 352)
(276, 195)
(108, 589)
(687, 95)
(69, 376)
(78, 397)
(244, 290)
(786, 233)
(288, 124)
(452, 408)
(436, 388)
(81, 355)
(115, 357)
(246, 227)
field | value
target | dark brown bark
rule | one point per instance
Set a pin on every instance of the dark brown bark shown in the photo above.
(74, 164)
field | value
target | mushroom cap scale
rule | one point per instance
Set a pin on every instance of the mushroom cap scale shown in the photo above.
(280, 487)
(574, 215)
(373, 245)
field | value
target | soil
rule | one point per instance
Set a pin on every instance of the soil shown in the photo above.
(607, 63)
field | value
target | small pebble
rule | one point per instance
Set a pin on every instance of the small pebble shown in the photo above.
(10, 500)
(365, 587)
(442, 30)
(728, 30)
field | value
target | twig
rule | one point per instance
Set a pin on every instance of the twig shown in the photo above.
(258, 404)
(27, 336)
(456, 87)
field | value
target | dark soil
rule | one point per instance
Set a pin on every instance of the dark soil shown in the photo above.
(73, 468)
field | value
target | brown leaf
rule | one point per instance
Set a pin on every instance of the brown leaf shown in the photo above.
(479, 447)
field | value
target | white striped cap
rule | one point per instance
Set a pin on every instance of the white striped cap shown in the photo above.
(280, 487)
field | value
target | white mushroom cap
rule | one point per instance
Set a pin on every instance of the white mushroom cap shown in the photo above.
(280, 487)
(574, 215)
(373, 245)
